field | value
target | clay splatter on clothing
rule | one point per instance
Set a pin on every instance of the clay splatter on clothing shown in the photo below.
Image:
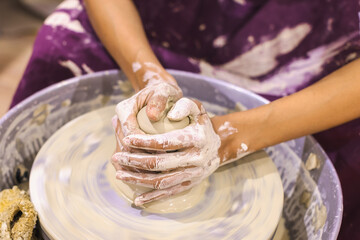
(272, 47)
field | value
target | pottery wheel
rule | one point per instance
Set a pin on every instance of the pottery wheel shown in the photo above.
(76, 198)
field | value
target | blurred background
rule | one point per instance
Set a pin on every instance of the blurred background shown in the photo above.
(19, 22)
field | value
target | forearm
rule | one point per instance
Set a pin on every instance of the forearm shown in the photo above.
(330, 102)
(118, 25)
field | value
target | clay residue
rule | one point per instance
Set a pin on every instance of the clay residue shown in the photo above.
(320, 217)
(312, 162)
(40, 114)
(19, 145)
(66, 103)
(297, 179)
(239, 107)
(305, 199)
(125, 87)
(105, 99)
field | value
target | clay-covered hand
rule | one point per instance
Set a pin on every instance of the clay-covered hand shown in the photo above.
(179, 160)
(120, 147)
(161, 89)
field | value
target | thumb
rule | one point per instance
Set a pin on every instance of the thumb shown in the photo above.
(183, 108)
(155, 108)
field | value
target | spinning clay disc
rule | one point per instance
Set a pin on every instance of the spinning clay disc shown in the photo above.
(75, 193)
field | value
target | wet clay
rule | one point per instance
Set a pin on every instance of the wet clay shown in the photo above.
(162, 126)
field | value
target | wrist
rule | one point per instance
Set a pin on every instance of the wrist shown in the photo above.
(141, 66)
(224, 128)
(240, 133)
(151, 72)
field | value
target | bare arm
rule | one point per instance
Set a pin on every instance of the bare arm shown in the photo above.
(332, 101)
(119, 27)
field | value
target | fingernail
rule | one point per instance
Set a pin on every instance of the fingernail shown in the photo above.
(173, 114)
(138, 201)
(122, 175)
(119, 175)
(116, 156)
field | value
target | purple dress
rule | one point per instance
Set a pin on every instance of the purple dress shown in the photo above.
(271, 47)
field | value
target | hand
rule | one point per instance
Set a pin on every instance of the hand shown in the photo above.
(161, 89)
(196, 157)
(120, 147)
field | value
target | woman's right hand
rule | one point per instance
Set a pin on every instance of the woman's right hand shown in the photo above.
(160, 90)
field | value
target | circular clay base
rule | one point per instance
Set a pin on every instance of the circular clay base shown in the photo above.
(74, 190)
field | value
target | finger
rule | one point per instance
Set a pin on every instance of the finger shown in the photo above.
(200, 105)
(156, 106)
(119, 135)
(183, 108)
(131, 126)
(162, 193)
(159, 180)
(119, 167)
(126, 113)
(118, 130)
(120, 146)
(158, 102)
(174, 140)
(157, 162)
(114, 121)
